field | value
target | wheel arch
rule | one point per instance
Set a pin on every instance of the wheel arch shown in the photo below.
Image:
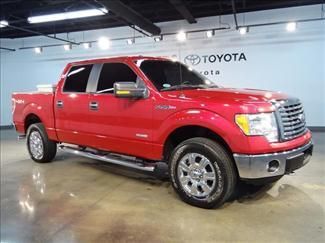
(183, 133)
(30, 119)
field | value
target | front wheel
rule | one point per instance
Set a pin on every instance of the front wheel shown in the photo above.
(202, 172)
(40, 148)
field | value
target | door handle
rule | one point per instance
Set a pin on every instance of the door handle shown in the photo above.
(93, 105)
(59, 103)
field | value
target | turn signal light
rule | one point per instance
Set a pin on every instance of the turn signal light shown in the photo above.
(122, 92)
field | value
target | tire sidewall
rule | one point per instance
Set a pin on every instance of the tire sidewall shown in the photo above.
(220, 189)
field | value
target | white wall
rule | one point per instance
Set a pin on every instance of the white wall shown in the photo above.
(276, 60)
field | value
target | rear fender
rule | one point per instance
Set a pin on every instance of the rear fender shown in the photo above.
(45, 114)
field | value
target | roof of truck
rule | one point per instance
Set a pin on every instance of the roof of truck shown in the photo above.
(119, 58)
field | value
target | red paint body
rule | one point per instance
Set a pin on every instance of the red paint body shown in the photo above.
(115, 125)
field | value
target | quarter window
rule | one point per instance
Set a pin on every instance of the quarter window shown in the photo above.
(77, 79)
(112, 73)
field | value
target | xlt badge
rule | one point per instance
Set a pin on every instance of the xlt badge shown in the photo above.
(165, 107)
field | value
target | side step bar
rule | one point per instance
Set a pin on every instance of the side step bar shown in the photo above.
(21, 137)
(112, 159)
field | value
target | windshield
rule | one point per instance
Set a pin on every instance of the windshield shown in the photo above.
(169, 75)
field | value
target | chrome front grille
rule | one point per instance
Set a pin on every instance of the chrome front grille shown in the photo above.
(291, 118)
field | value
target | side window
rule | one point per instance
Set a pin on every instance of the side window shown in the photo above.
(112, 73)
(77, 79)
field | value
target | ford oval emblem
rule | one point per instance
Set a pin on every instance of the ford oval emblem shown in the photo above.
(301, 117)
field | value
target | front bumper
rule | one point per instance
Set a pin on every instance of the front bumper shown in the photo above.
(273, 164)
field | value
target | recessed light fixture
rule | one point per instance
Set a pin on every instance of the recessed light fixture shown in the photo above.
(210, 33)
(104, 43)
(291, 27)
(67, 47)
(86, 45)
(3, 23)
(67, 15)
(38, 50)
(130, 41)
(181, 36)
(243, 30)
(158, 38)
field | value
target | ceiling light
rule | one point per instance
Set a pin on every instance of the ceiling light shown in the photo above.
(67, 47)
(3, 23)
(291, 27)
(130, 41)
(38, 50)
(103, 43)
(181, 36)
(174, 58)
(158, 38)
(87, 45)
(210, 33)
(243, 30)
(67, 15)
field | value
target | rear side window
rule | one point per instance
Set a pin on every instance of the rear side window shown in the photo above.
(112, 73)
(77, 79)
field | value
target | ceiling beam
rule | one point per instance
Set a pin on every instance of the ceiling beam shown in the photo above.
(183, 10)
(7, 49)
(131, 16)
(4, 2)
(42, 34)
(235, 13)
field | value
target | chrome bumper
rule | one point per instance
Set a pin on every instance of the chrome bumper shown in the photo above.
(273, 164)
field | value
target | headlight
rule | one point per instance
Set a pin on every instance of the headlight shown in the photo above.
(263, 124)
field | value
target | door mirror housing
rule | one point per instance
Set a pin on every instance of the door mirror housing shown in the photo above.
(130, 90)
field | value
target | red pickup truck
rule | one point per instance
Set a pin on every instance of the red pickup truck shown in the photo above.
(147, 113)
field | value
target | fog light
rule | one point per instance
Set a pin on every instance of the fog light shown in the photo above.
(273, 166)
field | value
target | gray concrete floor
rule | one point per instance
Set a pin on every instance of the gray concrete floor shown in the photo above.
(80, 200)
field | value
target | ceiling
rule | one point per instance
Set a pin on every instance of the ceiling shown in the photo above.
(142, 13)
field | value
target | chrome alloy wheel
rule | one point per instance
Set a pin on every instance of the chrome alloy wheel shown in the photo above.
(196, 175)
(36, 145)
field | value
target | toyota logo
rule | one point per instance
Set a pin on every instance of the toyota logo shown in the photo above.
(192, 59)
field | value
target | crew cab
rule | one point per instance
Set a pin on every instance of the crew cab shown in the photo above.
(153, 113)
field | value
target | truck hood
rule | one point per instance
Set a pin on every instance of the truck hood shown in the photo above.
(229, 94)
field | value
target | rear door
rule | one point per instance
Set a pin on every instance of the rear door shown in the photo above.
(71, 106)
(122, 125)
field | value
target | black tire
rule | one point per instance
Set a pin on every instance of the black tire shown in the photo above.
(48, 146)
(223, 166)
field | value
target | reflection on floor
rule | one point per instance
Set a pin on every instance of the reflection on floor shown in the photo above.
(80, 200)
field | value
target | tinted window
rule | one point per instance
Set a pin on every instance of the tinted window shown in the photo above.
(112, 73)
(77, 79)
(167, 74)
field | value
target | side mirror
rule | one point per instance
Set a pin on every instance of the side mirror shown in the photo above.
(129, 90)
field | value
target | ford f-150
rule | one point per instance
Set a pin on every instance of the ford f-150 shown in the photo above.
(145, 112)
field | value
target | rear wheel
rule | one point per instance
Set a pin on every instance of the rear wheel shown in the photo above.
(40, 148)
(202, 172)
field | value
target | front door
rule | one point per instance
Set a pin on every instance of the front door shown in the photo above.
(121, 125)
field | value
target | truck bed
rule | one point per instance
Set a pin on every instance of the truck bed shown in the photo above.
(40, 103)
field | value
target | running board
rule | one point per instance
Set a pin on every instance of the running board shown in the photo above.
(21, 137)
(111, 159)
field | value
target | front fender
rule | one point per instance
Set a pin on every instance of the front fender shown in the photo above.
(227, 130)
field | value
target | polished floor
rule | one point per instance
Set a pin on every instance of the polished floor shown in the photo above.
(76, 199)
